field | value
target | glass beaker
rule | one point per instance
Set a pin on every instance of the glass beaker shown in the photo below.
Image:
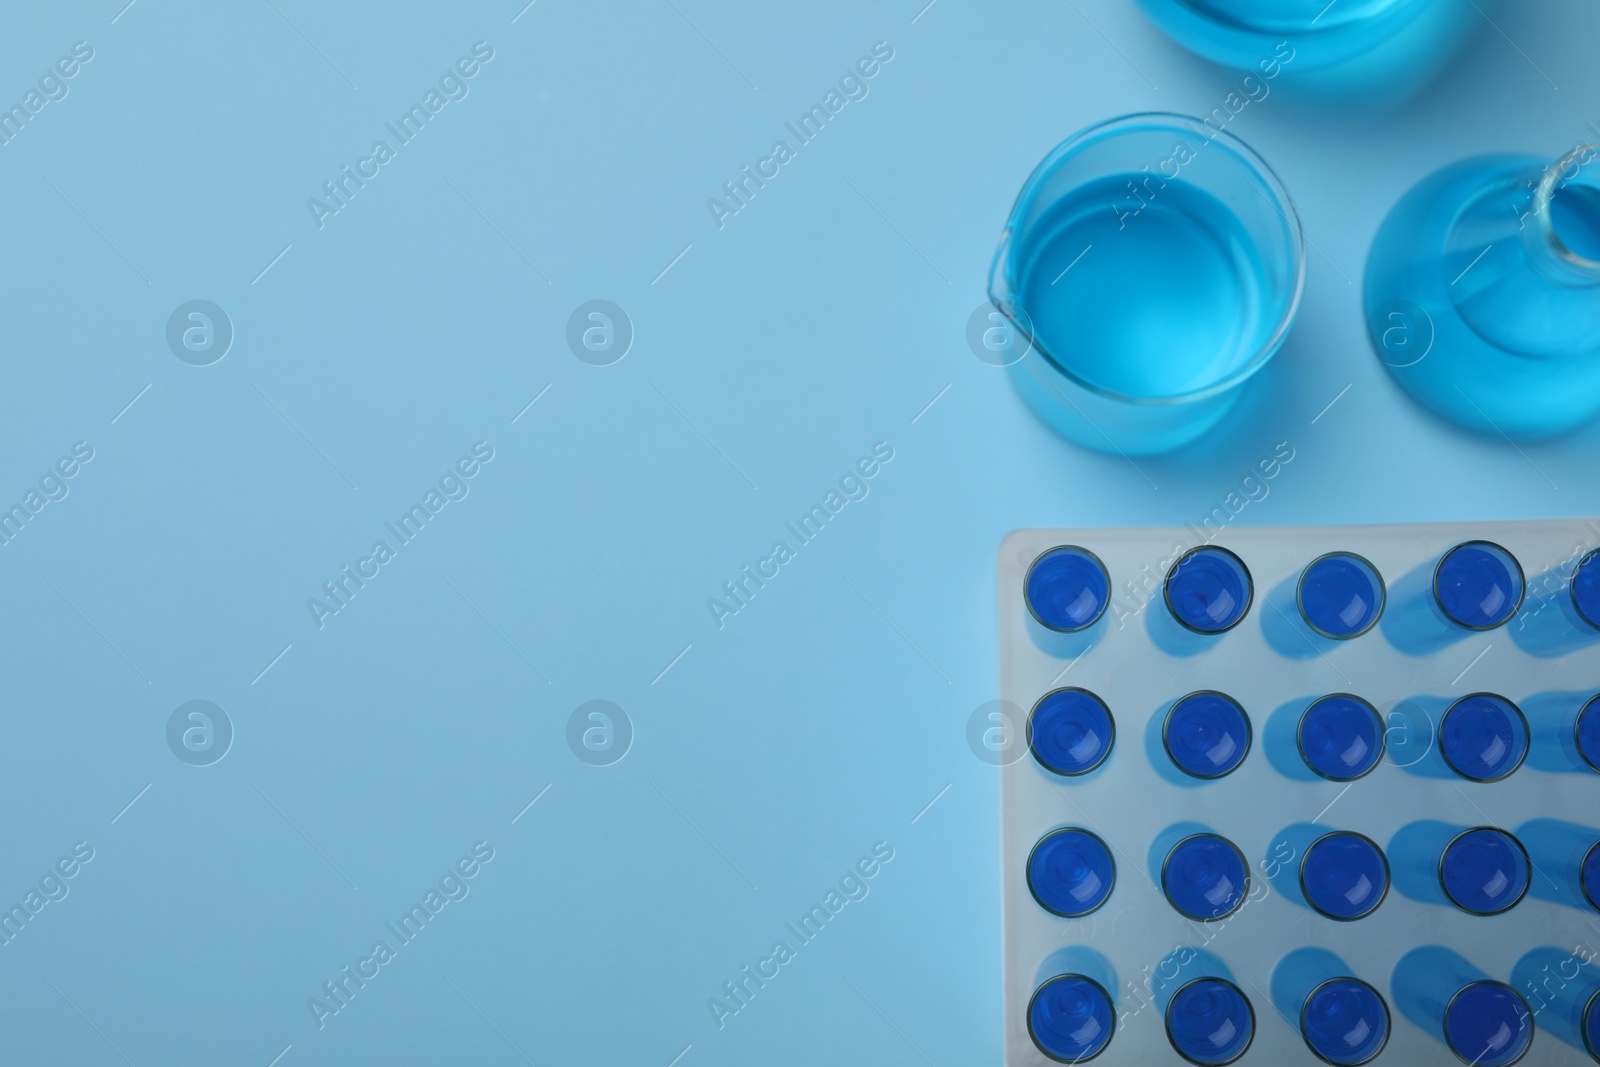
(1071, 731)
(1071, 1018)
(1369, 52)
(1482, 292)
(1483, 1021)
(1485, 871)
(1071, 872)
(1206, 734)
(1340, 595)
(1484, 737)
(1344, 875)
(1205, 877)
(1210, 1022)
(1152, 264)
(1341, 737)
(1345, 1022)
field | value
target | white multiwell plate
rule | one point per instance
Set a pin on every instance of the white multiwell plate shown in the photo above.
(1139, 660)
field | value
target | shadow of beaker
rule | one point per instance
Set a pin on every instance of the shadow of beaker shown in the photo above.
(1171, 636)
(1553, 731)
(1412, 621)
(1065, 646)
(1556, 849)
(1286, 630)
(1424, 981)
(1549, 624)
(1285, 852)
(1411, 736)
(1298, 973)
(1180, 967)
(1078, 959)
(1280, 739)
(1155, 750)
(1409, 732)
(1164, 841)
(1558, 984)
(1414, 854)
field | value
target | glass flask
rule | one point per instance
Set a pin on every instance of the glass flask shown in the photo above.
(1482, 292)
(1369, 52)
(1151, 265)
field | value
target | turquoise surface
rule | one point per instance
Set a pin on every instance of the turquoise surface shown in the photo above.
(779, 756)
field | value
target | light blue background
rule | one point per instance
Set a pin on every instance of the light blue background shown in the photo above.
(823, 718)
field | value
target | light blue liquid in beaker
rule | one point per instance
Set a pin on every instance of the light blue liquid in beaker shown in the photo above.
(1144, 297)
(1153, 264)
(1482, 293)
(1366, 53)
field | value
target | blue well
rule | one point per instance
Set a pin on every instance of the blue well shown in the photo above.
(1071, 1018)
(1345, 1022)
(1344, 875)
(1207, 734)
(1071, 872)
(1070, 731)
(1341, 737)
(1210, 1022)
(1485, 871)
(1340, 595)
(1205, 877)
(1067, 589)
(1209, 590)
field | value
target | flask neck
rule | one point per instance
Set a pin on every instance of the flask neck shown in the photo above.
(1561, 235)
(1527, 279)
